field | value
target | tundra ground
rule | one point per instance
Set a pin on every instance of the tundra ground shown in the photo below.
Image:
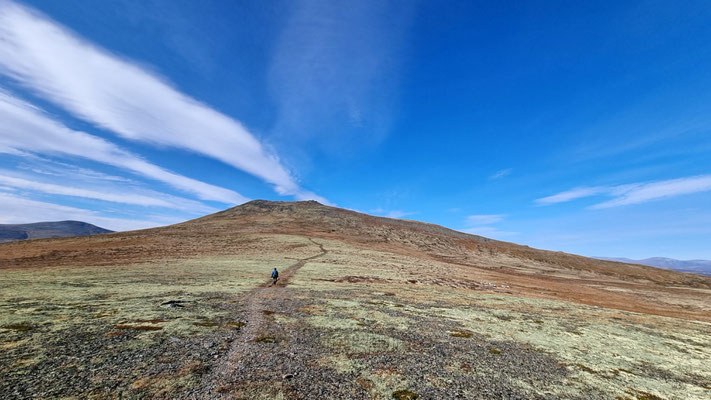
(345, 321)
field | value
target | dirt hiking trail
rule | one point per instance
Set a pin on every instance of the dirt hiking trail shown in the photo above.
(248, 349)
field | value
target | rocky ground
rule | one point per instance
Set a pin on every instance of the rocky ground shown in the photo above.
(321, 334)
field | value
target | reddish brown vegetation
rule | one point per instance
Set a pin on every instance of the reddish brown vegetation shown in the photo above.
(472, 259)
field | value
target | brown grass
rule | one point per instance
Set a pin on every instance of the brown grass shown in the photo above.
(473, 259)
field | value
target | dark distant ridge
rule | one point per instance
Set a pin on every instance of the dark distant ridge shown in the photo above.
(43, 230)
(702, 267)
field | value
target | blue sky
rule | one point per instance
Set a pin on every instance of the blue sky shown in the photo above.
(582, 128)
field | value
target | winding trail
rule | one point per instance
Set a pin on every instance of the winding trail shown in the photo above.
(286, 275)
(259, 303)
(254, 310)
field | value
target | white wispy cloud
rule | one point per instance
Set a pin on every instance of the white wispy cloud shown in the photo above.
(635, 193)
(484, 219)
(25, 128)
(147, 199)
(125, 98)
(398, 214)
(572, 194)
(501, 173)
(643, 193)
(46, 166)
(18, 210)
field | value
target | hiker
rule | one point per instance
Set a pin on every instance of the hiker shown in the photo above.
(275, 276)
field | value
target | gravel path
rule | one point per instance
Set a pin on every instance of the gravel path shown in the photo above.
(260, 303)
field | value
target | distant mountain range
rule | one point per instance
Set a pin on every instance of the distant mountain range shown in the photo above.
(42, 230)
(702, 267)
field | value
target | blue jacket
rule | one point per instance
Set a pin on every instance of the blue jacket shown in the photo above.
(275, 274)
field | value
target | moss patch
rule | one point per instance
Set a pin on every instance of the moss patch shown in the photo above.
(206, 324)
(405, 395)
(18, 327)
(585, 368)
(265, 339)
(458, 333)
(642, 395)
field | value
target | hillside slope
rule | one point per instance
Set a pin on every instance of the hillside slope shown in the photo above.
(43, 230)
(366, 307)
(530, 271)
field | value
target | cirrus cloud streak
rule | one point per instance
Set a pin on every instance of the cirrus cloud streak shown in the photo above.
(635, 193)
(27, 129)
(147, 199)
(125, 98)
